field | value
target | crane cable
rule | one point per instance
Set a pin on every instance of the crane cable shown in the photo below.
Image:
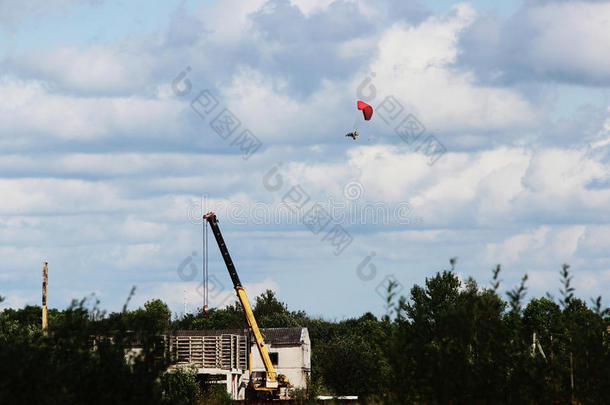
(205, 267)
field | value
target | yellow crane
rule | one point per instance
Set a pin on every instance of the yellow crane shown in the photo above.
(262, 385)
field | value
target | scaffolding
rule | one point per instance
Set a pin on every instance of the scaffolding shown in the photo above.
(225, 352)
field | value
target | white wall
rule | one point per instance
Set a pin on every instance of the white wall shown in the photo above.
(294, 361)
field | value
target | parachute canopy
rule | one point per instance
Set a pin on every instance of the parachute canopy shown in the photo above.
(366, 109)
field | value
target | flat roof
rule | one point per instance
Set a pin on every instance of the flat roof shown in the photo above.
(274, 336)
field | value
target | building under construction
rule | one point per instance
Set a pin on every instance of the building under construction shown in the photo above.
(227, 356)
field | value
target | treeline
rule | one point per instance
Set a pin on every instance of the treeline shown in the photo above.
(448, 342)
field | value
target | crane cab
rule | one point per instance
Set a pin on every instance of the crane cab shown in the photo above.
(261, 387)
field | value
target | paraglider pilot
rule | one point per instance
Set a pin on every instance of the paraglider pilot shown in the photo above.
(353, 135)
(367, 112)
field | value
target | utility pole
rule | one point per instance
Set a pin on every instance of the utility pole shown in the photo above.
(571, 373)
(45, 283)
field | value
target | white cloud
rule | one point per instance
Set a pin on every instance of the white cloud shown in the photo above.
(571, 40)
(108, 201)
(603, 135)
(133, 255)
(308, 7)
(511, 249)
(16, 299)
(228, 20)
(563, 41)
(415, 66)
(13, 12)
(96, 69)
(31, 108)
(544, 245)
(557, 183)
(55, 196)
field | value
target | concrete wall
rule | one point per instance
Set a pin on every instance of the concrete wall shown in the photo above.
(294, 361)
(235, 381)
(224, 358)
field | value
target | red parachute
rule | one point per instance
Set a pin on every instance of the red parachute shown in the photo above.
(367, 112)
(366, 109)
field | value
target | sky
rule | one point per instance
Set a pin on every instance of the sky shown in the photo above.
(122, 123)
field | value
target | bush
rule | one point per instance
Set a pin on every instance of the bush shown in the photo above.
(181, 387)
(216, 394)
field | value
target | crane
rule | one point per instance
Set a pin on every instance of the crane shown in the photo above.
(262, 385)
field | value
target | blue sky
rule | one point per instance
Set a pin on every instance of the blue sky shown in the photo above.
(109, 155)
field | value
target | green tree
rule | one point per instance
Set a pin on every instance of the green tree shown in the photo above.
(79, 362)
(272, 313)
(181, 387)
(447, 343)
(158, 314)
(351, 359)
(450, 342)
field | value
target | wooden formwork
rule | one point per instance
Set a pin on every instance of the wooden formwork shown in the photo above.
(226, 352)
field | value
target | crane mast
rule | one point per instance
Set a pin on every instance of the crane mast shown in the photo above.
(243, 299)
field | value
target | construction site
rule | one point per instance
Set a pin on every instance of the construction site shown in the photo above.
(230, 357)
(251, 364)
(319, 202)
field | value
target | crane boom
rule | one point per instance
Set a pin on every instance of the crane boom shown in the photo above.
(243, 298)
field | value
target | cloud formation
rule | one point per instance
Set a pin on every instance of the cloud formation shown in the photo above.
(557, 41)
(102, 164)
